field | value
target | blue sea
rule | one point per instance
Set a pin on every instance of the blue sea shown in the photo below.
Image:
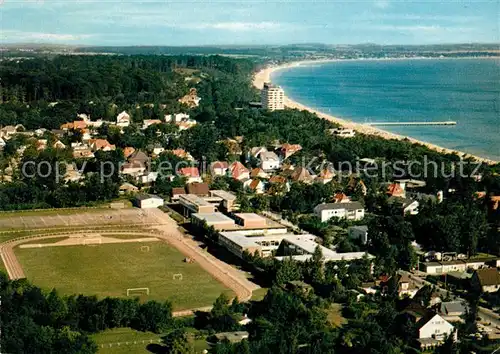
(463, 90)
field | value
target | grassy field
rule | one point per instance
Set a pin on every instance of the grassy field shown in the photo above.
(107, 341)
(109, 269)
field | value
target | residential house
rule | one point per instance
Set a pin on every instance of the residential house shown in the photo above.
(192, 174)
(72, 174)
(402, 284)
(409, 206)
(349, 211)
(9, 130)
(269, 161)
(58, 145)
(255, 185)
(256, 151)
(139, 158)
(101, 144)
(288, 150)
(148, 122)
(341, 198)
(239, 171)
(123, 119)
(326, 175)
(396, 190)
(301, 174)
(219, 168)
(278, 185)
(158, 149)
(40, 131)
(127, 188)
(258, 173)
(41, 144)
(486, 280)
(183, 154)
(148, 178)
(432, 330)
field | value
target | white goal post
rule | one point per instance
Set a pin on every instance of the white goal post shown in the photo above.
(177, 276)
(142, 290)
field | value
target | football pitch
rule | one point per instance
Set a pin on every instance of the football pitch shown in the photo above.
(111, 269)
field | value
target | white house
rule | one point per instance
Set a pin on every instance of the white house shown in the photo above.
(2, 143)
(219, 168)
(176, 118)
(123, 119)
(269, 161)
(432, 331)
(148, 177)
(146, 201)
(349, 211)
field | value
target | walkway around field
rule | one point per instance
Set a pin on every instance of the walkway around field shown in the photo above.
(226, 274)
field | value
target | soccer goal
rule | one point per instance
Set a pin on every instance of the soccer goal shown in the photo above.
(177, 276)
(137, 291)
(144, 248)
(91, 241)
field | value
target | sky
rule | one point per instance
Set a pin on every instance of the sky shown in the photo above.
(252, 22)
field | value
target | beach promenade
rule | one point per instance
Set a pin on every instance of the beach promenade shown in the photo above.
(264, 75)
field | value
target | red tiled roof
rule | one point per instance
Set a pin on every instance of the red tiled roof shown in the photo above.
(395, 189)
(190, 172)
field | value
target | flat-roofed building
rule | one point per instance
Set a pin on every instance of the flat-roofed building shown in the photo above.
(228, 199)
(219, 221)
(250, 220)
(302, 247)
(272, 97)
(237, 242)
(193, 204)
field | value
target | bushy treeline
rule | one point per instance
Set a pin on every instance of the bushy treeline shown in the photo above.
(37, 322)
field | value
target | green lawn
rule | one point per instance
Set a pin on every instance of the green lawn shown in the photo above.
(258, 295)
(109, 269)
(107, 341)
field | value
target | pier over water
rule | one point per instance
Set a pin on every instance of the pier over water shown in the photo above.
(448, 122)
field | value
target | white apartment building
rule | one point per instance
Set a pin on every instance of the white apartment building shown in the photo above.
(272, 97)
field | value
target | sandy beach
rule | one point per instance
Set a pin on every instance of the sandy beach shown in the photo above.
(265, 76)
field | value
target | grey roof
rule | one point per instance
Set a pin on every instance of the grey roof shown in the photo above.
(348, 206)
(147, 196)
(453, 307)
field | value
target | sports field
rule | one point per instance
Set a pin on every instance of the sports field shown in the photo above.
(110, 269)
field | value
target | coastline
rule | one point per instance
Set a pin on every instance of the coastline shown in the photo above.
(264, 75)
